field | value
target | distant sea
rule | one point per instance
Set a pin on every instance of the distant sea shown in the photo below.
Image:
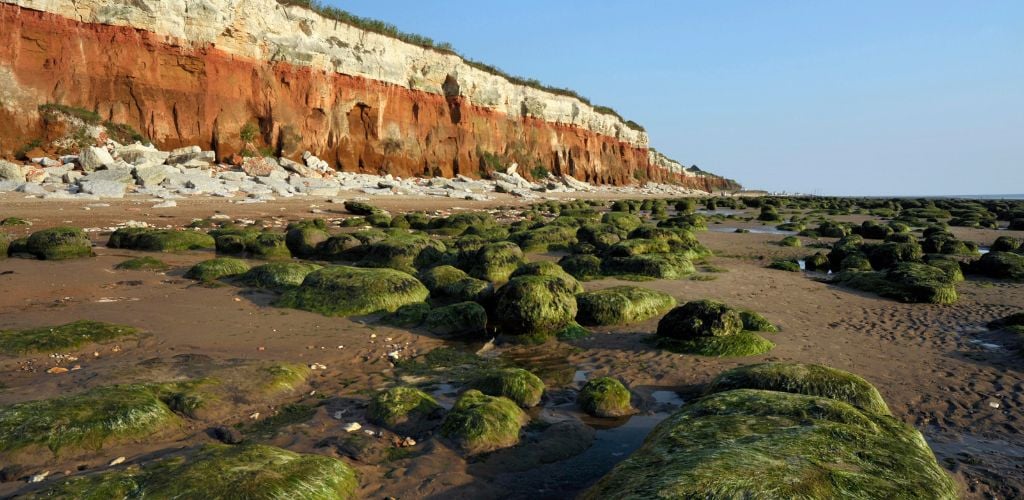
(984, 196)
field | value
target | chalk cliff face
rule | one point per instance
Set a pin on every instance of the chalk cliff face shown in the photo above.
(189, 72)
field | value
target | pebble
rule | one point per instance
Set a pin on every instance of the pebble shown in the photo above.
(352, 427)
(117, 461)
(38, 478)
(254, 416)
(57, 369)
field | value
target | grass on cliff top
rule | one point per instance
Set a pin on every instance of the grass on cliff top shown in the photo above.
(62, 337)
(390, 30)
(764, 444)
(219, 471)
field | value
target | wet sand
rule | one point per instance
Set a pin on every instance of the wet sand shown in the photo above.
(938, 368)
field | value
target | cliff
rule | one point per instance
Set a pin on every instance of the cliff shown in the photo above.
(186, 73)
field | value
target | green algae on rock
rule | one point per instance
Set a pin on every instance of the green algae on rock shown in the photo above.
(516, 384)
(789, 265)
(462, 319)
(621, 305)
(764, 444)
(492, 262)
(581, 267)
(405, 410)
(479, 423)
(146, 263)
(215, 269)
(800, 378)
(534, 308)
(278, 275)
(906, 282)
(88, 420)
(547, 268)
(160, 240)
(449, 282)
(605, 397)
(219, 471)
(754, 322)
(710, 328)
(58, 243)
(656, 265)
(57, 338)
(351, 291)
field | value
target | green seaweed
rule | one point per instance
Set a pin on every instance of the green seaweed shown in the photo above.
(351, 291)
(516, 384)
(60, 338)
(146, 263)
(605, 397)
(479, 423)
(215, 269)
(621, 305)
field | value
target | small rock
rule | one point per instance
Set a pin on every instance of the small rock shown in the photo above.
(117, 461)
(254, 415)
(352, 427)
(166, 204)
(993, 404)
(407, 442)
(57, 369)
(38, 478)
(226, 435)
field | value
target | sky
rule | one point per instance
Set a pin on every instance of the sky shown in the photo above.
(819, 97)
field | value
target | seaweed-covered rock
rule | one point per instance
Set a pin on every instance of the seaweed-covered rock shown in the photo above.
(58, 243)
(887, 255)
(605, 397)
(799, 378)
(663, 266)
(906, 282)
(88, 420)
(1005, 244)
(516, 384)
(405, 410)
(479, 423)
(817, 262)
(638, 246)
(581, 266)
(215, 269)
(547, 268)
(789, 265)
(60, 338)
(700, 318)
(450, 282)
(1001, 265)
(790, 241)
(461, 319)
(754, 322)
(304, 239)
(764, 444)
(544, 238)
(160, 240)
(769, 214)
(492, 262)
(146, 263)
(404, 252)
(278, 275)
(622, 220)
(252, 471)
(337, 247)
(855, 262)
(360, 208)
(621, 305)
(269, 246)
(534, 308)
(350, 291)
(873, 230)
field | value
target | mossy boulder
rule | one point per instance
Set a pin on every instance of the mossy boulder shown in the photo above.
(215, 269)
(547, 268)
(405, 410)
(622, 220)
(663, 266)
(544, 238)
(449, 282)
(479, 423)
(160, 240)
(360, 208)
(516, 384)
(1000, 265)
(764, 444)
(605, 397)
(817, 262)
(906, 282)
(62, 337)
(700, 318)
(534, 308)
(492, 262)
(754, 322)
(462, 319)
(304, 239)
(278, 275)
(58, 243)
(790, 241)
(337, 247)
(250, 471)
(621, 305)
(143, 264)
(1005, 244)
(350, 291)
(581, 266)
(87, 421)
(709, 328)
(638, 246)
(404, 252)
(269, 246)
(808, 379)
(887, 255)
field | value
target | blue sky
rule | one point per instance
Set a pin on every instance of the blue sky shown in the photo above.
(822, 97)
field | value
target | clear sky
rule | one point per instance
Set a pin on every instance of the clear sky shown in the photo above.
(822, 97)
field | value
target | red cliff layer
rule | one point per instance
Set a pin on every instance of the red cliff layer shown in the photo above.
(177, 93)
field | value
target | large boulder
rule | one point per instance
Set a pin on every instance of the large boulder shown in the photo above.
(516, 384)
(278, 275)
(709, 328)
(457, 320)
(405, 410)
(749, 443)
(93, 158)
(215, 269)
(605, 397)
(160, 240)
(351, 291)
(534, 308)
(492, 262)
(59, 243)
(1000, 265)
(621, 305)
(11, 172)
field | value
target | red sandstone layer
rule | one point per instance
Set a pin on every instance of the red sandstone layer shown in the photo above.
(178, 93)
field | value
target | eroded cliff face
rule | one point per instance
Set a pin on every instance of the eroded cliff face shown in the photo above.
(185, 73)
